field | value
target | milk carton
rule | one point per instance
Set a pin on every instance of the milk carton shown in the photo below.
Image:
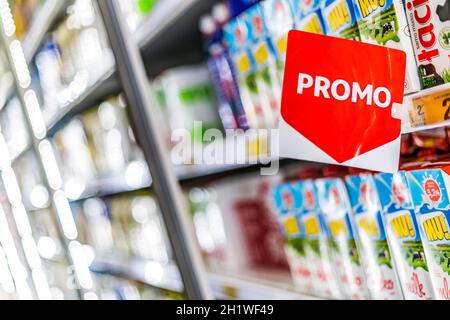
(262, 49)
(429, 189)
(371, 238)
(307, 16)
(340, 20)
(317, 241)
(383, 22)
(289, 210)
(403, 234)
(429, 22)
(335, 206)
(237, 41)
(279, 20)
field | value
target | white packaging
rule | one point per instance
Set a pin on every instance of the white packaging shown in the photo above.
(387, 25)
(429, 24)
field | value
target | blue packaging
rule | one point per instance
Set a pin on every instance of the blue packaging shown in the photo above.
(317, 235)
(237, 39)
(340, 20)
(429, 191)
(403, 235)
(334, 203)
(373, 246)
(264, 56)
(239, 6)
(289, 209)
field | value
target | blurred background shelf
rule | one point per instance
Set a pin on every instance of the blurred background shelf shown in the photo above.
(255, 285)
(155, 274)
(43, 20)
(173, 38)
(102, 85)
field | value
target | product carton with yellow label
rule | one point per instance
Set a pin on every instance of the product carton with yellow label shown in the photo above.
(383, 22)
(313, 236)
(371, 238)
(289, 210)
(335, 206)
(236, 38)
(340, 20)
(403, 234)
(429, 189)
(307, 16)
(279, 20)
(264, 56)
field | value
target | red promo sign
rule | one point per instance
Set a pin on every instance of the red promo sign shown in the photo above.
(341, 102)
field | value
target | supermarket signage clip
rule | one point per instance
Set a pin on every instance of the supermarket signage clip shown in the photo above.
(342, 102)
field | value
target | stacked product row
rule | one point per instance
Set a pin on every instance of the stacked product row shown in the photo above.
(365, 235)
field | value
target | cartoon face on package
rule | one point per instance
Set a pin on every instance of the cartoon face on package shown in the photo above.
(374, 249)
(317, 240)
(403, 235)
(429, 22)
(340, 20)
(289, 210)
(429, 190)
(333, 201)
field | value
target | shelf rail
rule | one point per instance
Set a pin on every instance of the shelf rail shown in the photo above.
(134, 83)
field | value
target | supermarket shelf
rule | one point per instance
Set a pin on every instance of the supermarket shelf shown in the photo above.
(162, 39)
(408, 106)
(271, 285)
(155, 274)
(101, 86)
(116, 185)
(110, 186)
(256, 285)
(41, 24)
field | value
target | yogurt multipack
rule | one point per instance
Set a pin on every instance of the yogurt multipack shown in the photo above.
(371, 238)
(429, 189)
(383, 22)
(429, 23)
(335, 206)
(403, 234)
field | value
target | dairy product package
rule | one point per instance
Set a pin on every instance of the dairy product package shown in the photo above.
(279, 20)
(317, 241)
(383, 22)
(340, 20)
(429, 24)
(403, 234)
(307, 16)
(429, 189)
(263, 53)
(190, 98)
(236, 38)
(289, 210)
(335, 206)
(371, 238)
